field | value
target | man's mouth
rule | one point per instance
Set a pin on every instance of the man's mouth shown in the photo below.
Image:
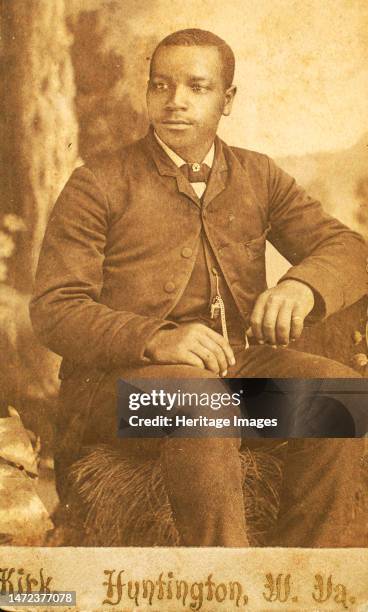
(176, 122)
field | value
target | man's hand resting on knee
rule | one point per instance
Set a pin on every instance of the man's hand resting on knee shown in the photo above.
(191, 344)
(279, 313)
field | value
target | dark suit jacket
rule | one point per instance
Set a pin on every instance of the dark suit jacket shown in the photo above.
(122, 240)
(123, 236)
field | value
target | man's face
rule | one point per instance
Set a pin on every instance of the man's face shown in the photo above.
(186, 97)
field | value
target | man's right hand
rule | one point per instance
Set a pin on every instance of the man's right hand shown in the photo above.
(191, 344)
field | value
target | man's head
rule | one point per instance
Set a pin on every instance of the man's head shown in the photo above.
(189, 89)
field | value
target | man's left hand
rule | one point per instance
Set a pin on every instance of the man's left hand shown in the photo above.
(279, 313)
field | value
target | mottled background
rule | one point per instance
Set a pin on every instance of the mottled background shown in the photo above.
(72, 79)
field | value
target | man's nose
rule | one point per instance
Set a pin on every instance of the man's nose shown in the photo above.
(177, 98)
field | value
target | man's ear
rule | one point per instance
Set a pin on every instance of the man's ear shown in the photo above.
(229, 99)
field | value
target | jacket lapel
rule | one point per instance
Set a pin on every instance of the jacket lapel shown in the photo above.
(218, 177)
(166, 167)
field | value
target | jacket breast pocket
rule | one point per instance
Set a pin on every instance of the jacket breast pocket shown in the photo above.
(256, 247)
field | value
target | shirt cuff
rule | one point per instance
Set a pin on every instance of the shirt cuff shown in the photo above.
(328, 294)
(166, 325)
(129, 343)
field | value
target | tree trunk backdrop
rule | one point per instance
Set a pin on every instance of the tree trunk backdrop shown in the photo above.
(40, 144)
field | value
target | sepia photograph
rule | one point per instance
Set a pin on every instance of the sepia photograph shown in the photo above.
(183, 304)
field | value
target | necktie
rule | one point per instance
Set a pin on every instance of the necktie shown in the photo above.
(196, 173)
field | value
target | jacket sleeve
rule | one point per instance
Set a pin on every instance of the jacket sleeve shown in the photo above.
(326, 255)
(65, 310)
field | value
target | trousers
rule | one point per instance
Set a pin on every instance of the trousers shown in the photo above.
(203, 475)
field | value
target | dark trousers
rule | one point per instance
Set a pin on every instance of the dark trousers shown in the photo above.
(203, 475)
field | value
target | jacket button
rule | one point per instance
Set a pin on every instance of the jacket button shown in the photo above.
(187, 252)
(169, 287)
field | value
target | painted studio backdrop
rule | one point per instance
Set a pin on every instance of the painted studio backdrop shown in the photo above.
(73, 78)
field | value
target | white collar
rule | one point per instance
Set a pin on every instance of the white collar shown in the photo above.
(179, 161)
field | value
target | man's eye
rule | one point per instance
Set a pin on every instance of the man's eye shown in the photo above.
(199, 88)
(159, 86)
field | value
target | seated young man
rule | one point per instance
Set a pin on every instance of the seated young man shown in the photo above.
(153, 266)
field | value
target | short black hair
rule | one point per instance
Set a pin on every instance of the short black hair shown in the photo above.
(194, 37)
